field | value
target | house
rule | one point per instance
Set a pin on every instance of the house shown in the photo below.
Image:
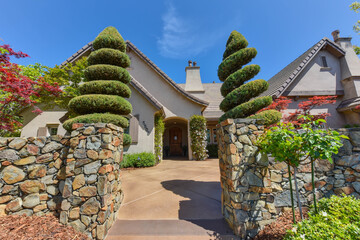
(327, 68)
(152, 92)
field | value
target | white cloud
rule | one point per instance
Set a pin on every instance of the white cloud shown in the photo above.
(182, 37)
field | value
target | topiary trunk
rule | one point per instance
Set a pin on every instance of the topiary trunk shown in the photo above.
(241, 100)
(104, 92)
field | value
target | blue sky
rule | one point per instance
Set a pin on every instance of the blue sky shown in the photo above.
(172, 32)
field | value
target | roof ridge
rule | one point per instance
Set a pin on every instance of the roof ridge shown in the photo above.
(165, 76)
(299, 65)
(145, 93)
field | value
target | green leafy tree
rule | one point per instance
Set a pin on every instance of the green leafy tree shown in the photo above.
(319, 143)
(285, 145)
(69, 77)
(355, 6)
(241, 100)
(104, 92)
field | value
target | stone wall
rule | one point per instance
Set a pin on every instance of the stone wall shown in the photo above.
(255, 189)
(75, 177)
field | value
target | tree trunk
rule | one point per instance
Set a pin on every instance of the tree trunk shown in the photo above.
(297, 194)
(313, 184)
(291, 195)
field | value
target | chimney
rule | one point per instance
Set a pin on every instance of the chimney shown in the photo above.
(193, 79)
(344, 42)
(336, 35)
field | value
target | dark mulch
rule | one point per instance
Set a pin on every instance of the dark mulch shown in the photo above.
(277, 229)
(36, 228)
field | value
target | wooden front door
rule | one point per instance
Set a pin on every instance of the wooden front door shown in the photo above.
(175, 141)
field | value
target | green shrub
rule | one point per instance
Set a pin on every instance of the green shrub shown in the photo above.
(98, 103)
(198, 137)
(107, 104)
(109, 38)
(240, 99)
(235, 61)
(248, 108)
(338, 219)
(107, 72)
(269, 116)
(159, 131)
(127, 139)
(97, 118)
(109, 56)
(235, 42)
(212, 150)
(243, 93)
(238, 78)
(144, 159)
(105, 87)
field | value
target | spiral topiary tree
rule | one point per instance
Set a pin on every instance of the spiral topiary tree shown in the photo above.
(241, 100)
(103, 94)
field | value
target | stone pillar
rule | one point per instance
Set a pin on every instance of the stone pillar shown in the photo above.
(91, 187)
(243, 176)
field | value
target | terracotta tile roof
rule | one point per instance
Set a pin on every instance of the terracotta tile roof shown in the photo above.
(283, 79)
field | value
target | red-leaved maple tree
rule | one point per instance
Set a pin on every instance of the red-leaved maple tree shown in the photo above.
(18, 91)
(304, 108)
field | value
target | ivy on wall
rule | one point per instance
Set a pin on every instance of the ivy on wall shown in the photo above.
(198, 137)
(159, 131)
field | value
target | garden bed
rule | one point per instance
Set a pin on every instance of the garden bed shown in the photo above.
(277, 229)
(36, 228)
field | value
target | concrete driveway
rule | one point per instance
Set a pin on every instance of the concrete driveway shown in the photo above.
(177, 199)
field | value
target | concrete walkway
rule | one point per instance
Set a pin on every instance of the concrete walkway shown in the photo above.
(174, 200)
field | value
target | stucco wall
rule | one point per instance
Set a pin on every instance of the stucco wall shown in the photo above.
(33, 122)
(315, 80)
(170, 98)
(146, 112)
(336, 119)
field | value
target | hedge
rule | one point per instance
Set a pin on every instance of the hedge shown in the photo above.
(238, 78)
(97, 118)
(198, 137)
(127, 139)
(235, 42)
(247, 108)
(109, 38)
(98, 103)
(243, 93)
(235, 62)
(158, 136)
(109, 56)
(144, 159)
(269, 116)
(107, 72)
(105, 87)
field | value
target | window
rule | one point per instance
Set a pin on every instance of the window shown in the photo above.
(324, 62)
(208, 137)
(214, 135)
(53, 131)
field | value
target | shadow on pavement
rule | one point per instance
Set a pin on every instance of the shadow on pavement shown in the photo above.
(204, 206)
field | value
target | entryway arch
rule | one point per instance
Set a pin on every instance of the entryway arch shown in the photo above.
(176, 138)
